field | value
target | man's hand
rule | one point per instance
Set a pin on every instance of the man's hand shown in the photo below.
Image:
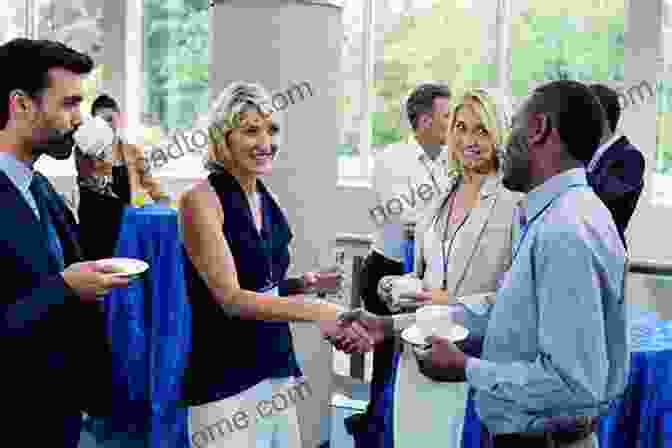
(443, 361)
(378, 328)
(347, 337)
(90, 281)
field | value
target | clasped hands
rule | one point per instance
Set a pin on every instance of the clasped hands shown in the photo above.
(357, 331)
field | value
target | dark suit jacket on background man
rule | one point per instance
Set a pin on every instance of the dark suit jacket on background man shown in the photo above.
(618, 179)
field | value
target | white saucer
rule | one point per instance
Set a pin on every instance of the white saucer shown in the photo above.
(415, 336)
(128, 267)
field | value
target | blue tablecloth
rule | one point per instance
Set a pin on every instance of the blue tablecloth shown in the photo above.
(643, 419)
(149, 327)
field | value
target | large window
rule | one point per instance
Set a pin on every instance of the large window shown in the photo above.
(12, 20)
(577, 39)
(411, 41)
(176, 71)
(512, 44)
(78, 24)
(355, 90)
(662, 181)
(419, 41)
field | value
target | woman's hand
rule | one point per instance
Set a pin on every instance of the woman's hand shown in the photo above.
(103, 167)
(323, 281)
(436, 296)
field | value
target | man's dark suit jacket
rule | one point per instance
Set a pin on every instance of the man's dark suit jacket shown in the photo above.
(618, 179)
(54, 349)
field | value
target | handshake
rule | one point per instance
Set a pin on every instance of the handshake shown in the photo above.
(357, 331)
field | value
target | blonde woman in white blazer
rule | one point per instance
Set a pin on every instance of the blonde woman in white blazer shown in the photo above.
(463, 247)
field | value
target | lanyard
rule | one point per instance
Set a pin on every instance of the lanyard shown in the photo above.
(526, 227)
(446, 254)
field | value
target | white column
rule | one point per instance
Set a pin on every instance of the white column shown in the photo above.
(133, 87)
(503, 45)
(122, 56)
(282, 43)
(642, 52)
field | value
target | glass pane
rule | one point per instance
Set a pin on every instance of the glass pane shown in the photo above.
(662, 181)
(349, 164)
(175, 65)
(78, 24)
(12, 19)
(424, 40)
(574, 39)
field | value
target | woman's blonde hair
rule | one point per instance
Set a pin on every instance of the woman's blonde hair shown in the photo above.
(224, 115)
(494, 110)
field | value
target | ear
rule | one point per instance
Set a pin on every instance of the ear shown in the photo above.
(19, 102)
(539, 128)
(425, 121)
(222, 149)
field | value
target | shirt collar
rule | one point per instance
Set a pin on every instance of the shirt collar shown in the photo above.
(20, 173)
(544, 194)
(602, 149)
(420, 153)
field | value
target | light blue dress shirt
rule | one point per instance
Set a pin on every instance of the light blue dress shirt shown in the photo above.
(555, 339)
(21, 176)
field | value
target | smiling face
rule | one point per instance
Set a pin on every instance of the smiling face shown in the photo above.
(473, 142)
(250, 144)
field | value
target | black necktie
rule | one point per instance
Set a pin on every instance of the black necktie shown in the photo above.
(39, 191)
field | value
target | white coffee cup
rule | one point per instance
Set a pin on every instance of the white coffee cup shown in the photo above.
(94, 137)
(405, 286)
(435, 319)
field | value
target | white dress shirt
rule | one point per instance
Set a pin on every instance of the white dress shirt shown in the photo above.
(405, 181)
(21, 175)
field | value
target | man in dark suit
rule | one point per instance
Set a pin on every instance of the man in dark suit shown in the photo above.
(616, 171)
(51, 328)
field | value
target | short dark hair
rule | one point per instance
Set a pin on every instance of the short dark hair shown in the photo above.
(26, 65)
(104, 102)
(575, 112)
(421, 100)
(609, 99)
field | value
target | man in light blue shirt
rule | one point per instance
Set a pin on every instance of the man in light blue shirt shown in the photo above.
(555, 350)
(555, 344)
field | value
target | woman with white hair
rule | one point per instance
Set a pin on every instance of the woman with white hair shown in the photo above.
(236, 240)
(463, 248)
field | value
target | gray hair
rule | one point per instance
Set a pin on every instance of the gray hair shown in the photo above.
(224, 115)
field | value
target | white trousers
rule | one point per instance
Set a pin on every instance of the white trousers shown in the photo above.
(263, 416)
(426, 413)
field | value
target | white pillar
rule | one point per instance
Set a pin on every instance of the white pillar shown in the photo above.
(122, 56)
(642, 53)
(282, 43)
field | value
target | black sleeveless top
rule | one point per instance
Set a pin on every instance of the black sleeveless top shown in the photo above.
(229, 354)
